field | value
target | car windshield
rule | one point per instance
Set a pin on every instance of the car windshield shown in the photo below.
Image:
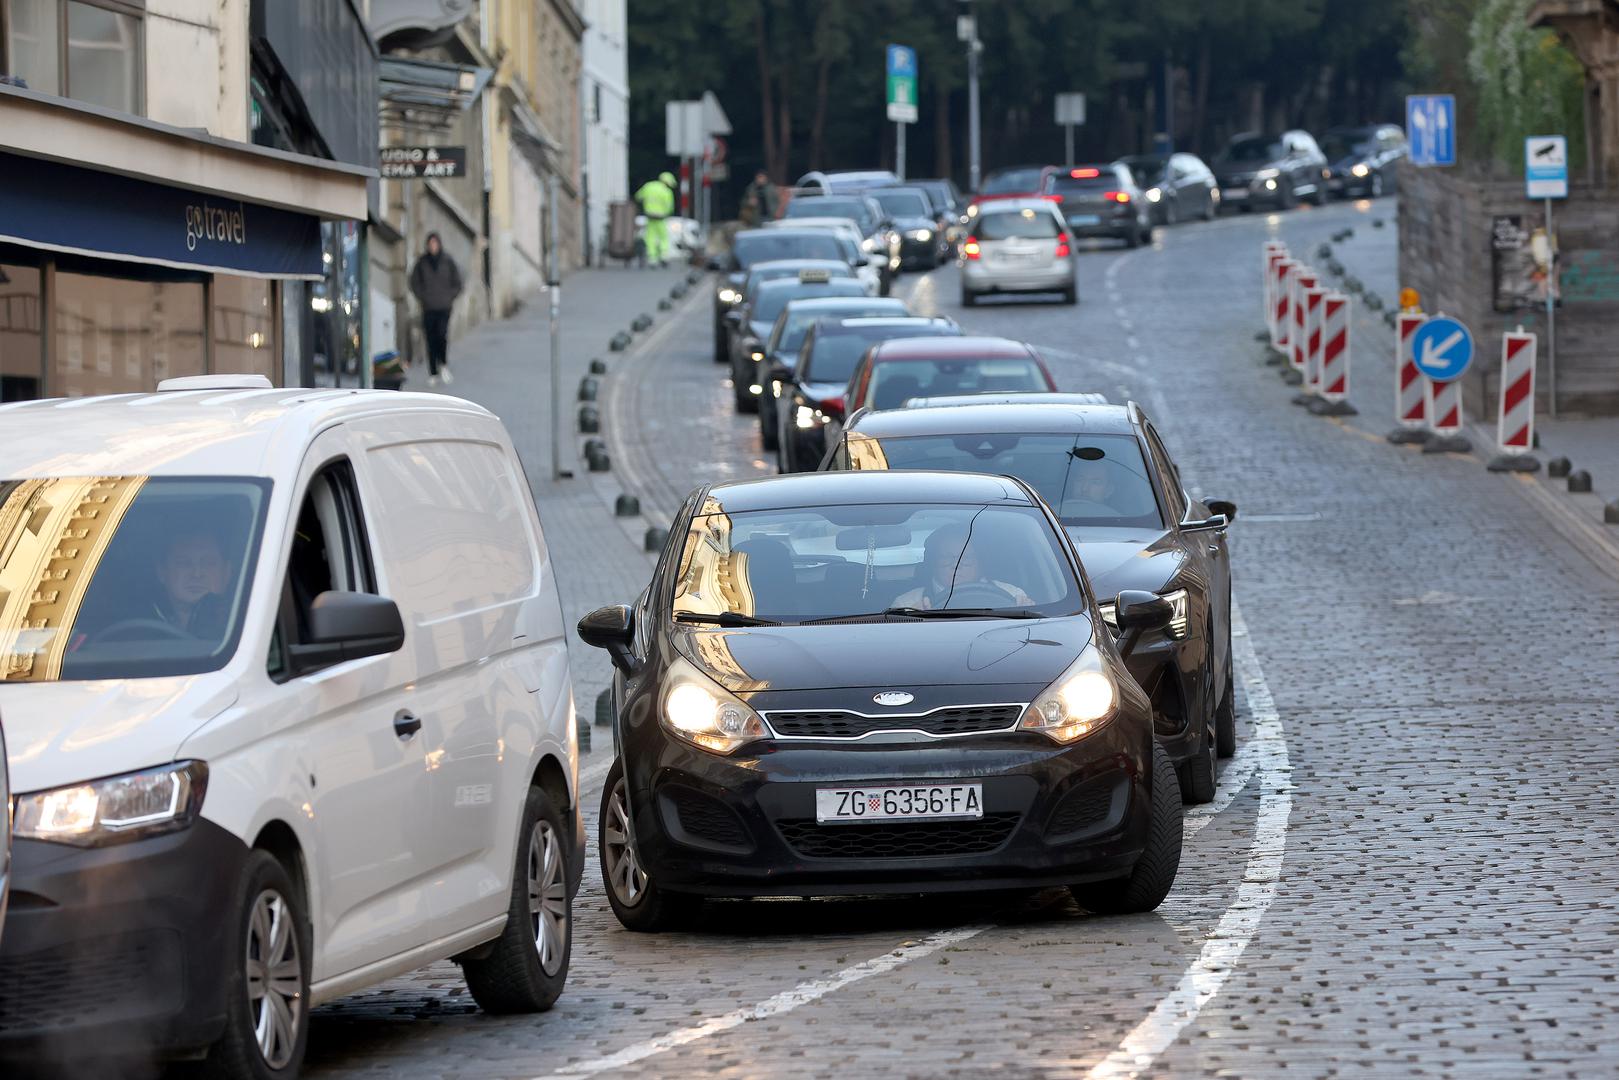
(770, 246)
(1342, 144)
(894, 382)
(1016, 225)
(774, 295)
(1147, 170)
(827, 206)
(1068, 184)
(1012, 180)
(1097, 480)
(120, 577)
(1254, 150)
(836, 352)
(810, 563)
(796, 319)
(903, 203)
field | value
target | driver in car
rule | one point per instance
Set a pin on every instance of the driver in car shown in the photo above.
(1090, 490)
(193, 573)
(951, 565)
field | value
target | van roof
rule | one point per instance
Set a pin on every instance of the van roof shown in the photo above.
(207, 432)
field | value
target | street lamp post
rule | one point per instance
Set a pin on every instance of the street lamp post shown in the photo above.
(967, 30)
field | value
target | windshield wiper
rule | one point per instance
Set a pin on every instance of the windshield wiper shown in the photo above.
(723, 618)
(964, 613)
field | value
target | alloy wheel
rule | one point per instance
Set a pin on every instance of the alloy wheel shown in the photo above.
(275, 978)
(547, 896)
(624, 871)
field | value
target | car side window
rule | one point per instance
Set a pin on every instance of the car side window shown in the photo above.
(329, 552)
(1171, 476)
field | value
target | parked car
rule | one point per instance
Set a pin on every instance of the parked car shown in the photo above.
(869, 266)
(1101, 201)
(757, 316)
(1271, 170)
(760, 245)
(787, 335)
(922, 244)
(1016, 182)
(1363, 160)
(1018, 246)
(1105, 473)
(812, 388)
(828, 688)
(298, 717)
(1177, 187)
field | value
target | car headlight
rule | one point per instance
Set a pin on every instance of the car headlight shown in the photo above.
(1360, 169)
(1154, 194)
(699, 711)
(1081, 700)
(869, 244)
(116, 809)
(1270, 185)
(756, 356)
(924, 235)
(729, 296)
(1178, 619)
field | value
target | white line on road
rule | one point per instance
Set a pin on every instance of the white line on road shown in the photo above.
(784, 1002)
(1223, 948)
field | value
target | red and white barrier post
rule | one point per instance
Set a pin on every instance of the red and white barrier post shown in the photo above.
(1273, 251)
(1282, 285)
(1410, 384)
(1444, 405)
(1515, 428)
(1333, 358)
(1302, 281)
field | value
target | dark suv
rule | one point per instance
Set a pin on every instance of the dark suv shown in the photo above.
(1272, 170)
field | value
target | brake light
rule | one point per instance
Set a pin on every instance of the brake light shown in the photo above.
(970, 248)
(1117, 196)
(832, 406)
(1062, 247)
(1052, 197)
(1085, 174)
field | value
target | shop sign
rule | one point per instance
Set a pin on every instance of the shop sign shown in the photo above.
(418, 162)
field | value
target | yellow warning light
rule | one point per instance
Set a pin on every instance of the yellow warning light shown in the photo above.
(1410, 300)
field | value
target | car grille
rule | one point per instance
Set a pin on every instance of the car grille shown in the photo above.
(900, 840)
(841, 724)
(96, 980)
(1080, 809)
(705, 818)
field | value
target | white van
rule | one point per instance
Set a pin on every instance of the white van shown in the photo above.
(287, 698)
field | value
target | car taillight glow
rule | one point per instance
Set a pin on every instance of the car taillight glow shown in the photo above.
(1052, 197)
(1062, 248)
(1085, 174)
(970, 248)
(1117, 196)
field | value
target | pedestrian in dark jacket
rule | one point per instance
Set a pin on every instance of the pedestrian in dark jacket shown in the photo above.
(435, 281)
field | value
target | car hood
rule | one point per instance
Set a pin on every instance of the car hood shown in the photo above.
(63, 732)
(1119, 559)
(1025, 654)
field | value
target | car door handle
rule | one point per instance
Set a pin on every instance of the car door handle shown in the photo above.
(406, 723)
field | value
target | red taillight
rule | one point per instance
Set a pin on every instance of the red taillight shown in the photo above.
(832, 406)
(1085, 174)
(1062, 247)
(969, 249)
(1052, 198)
(1117, 196)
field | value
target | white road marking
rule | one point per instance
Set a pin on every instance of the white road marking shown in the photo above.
(1223, 948)
(784, 1002)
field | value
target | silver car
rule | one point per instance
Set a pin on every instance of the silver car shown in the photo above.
(1017, 245)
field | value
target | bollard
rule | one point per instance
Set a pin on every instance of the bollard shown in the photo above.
(1444, 406)
(620, 342)
(1269, 253)
(598, 366)
(583, 727)
(664, 304)
(1610, 513)
(655, 538)
(1515, 423)
(590, 421)
(1297, 341)
(626, 506)
(1558, 467)
(1410, 385)
(598, 461)
(588, 388)
(604, 708)
(1579, 482)
(641, 322)
(1333, 361)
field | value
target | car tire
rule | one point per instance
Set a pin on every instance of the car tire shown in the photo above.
(1286, 198)
(1132, 239)
(1070, 295)
(767, 427)
(1210, 211)
(1225, 714)
(525, 970)
(635, 898)
(968, 298)
(746, 403)
(1320, 197)
(1154, 873)
(1197, 773)
(721, 352)
(271, 934)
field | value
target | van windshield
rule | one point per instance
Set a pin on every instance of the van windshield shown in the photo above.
(116, 577)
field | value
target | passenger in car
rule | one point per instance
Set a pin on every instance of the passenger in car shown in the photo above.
(949, 563)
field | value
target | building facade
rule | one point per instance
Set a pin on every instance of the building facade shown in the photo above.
(150, 228)
(604, 99)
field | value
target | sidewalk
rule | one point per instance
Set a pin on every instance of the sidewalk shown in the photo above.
(505, 367)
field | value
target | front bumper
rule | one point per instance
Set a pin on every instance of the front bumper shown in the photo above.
(920, 253)
(720, 826)
(1170, 671)
(118, 949)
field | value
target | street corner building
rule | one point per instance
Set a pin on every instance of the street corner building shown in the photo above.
(186, 191)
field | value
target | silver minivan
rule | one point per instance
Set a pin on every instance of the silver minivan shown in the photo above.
(1017, 246)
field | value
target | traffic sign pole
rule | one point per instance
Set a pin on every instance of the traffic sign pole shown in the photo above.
(899, 150)
(1545, 171)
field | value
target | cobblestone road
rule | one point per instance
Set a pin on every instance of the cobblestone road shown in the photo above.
(1409, 870)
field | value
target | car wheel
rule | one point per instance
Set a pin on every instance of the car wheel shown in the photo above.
(528, 965)
(1286, 199)
(767, 425)
(1132, 239)
(721, 353)
(1377, 185)
(1209, 209)
(745, 402)
(968, 297)
(1150, 880)
(635, 898)
(1197, 773)
(1320, 196)
(267, 986)
(1070, 295)
(1225, 714)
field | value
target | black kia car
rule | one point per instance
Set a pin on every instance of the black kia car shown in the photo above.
(1104, 471)
(889, 683)
(756, 246)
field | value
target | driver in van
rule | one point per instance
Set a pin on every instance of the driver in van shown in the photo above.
(193, 573)
(950, 564)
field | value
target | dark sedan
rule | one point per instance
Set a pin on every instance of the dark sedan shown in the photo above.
(1363, 160)
(893, 683)
(787, 335)
(1101, 200)
(921, 240)
(756, 318)
(756, 246)
(1177, 187)
(1105, 472)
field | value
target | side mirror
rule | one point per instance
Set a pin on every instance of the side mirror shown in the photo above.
(781, 373)
(348, 626)
(1224, 507)
(1136, 612)
(611, 628)
(734, 317)
(1208, 524)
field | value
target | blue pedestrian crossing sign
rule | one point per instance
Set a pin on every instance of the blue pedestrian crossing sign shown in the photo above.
(1442, 348)
(1430, 128)
(1545, 166)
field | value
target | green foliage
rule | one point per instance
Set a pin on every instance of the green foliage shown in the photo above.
(1526, 83)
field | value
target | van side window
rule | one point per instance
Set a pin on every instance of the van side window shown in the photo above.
(329, 552)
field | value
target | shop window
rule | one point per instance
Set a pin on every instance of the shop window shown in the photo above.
(22, 352)
(88, 50)
(334, 302)
(117, 336)
(244, 327)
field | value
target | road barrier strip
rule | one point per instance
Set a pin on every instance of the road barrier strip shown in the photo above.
(1300, 282)
(1312, 338)
(1274, 252)
(1410, 384)
(1282, 311)
(1335, 355)
(1444, 405)
(1515, 422)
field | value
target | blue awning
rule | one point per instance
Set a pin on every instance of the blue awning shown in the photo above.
(57, 207)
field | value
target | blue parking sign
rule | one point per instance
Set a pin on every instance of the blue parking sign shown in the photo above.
(902, 60)
(1430, 128)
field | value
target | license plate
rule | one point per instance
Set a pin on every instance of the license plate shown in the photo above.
(912, 802)
(1234, 193)
(1019, 256)
(1085, 219)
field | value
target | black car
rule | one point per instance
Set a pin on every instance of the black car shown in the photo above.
(893, 683)
(877, 232)
(1271, 170)
(1177, 187)
(735, 320)
(947, 200)
(787, 335)
(812, 389)
(1363, 160)
(911, 214)
(757, 315)
(1106, 474)
(756, 246)
(1101, 200)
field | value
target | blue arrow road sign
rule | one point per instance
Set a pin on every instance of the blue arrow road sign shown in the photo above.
(1442, 348)
(901, 60)
(1430, 128)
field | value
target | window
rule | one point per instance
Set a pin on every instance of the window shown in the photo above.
(1019, 225)
(329, 552)
(118, 335)
(22, 352)
(88, 50)
(1171, 476)
(244, 326)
